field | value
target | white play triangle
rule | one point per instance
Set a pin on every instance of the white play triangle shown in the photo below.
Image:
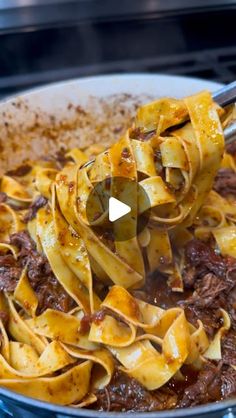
(117, 209)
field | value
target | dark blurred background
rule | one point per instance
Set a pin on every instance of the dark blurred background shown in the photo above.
(50, 40)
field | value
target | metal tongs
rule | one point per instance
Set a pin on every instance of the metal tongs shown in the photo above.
(224, 97)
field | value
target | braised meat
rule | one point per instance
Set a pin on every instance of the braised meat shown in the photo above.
(34, 207)
(126, 394)
(49, 291)
(225, 182)
(207, 387)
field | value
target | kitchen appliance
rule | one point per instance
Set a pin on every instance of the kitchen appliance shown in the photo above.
(44, 41)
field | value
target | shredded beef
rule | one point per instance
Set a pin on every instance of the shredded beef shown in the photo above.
(189, 276)
(23, 242)
(207, 388)
(20, 171)
(125, 393)
(212, 279)
(208, 291)
(87, 320)
(229, 348)
(225, 182)
(210, 318)
(138, 133)
(231, 308)
(228, 383)
(212, 383)
(10, 271)
(201, 255)
(49, 291)
(59, 159)
(231, 148)
(34, 207)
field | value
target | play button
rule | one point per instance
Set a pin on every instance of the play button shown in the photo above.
(112, 208)
(117, 209)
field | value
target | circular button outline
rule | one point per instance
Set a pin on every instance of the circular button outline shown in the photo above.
(126, 191)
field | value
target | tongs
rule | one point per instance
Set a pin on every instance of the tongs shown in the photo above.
(224, 97)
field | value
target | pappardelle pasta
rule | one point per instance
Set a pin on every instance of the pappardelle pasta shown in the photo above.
(74, 306)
